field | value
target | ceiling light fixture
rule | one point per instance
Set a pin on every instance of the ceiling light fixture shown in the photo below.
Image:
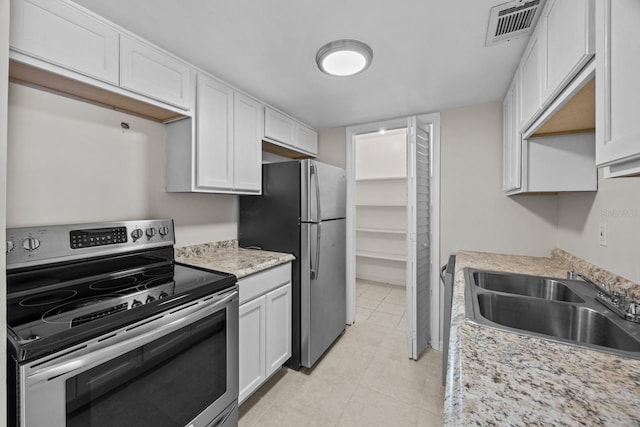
(344, 58)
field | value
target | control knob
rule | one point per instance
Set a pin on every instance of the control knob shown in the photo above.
(163, 295)
(149, 299)
(164, 230)
(31, 243)
(151, 232)
(9, 246)
(136, 303)
(136, 234)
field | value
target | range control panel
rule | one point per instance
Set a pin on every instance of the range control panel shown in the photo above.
(29, 246)
(97, 237)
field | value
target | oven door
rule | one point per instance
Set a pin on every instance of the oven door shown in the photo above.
(179, 368)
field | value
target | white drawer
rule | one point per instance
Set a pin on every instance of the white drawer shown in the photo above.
(258, 284)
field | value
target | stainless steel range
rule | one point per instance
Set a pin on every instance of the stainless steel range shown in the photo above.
(106, 329)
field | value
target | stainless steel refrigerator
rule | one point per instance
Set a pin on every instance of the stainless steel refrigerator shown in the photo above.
(302, 211)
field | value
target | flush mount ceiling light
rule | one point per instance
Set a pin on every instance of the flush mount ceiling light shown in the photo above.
(344, 58)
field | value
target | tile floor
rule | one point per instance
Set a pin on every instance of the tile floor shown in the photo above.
(365, 379)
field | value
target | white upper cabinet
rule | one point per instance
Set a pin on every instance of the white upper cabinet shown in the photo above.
(151, 72)
(248, 119)
(60, 46)
(569, 41)
(552, 95)
(560, 47)
(285, 131)
(618, 87)
(531, 78)
(225, 155)
(279, 127)
(214, 136)
(512, 138)
(306, 139)
(66, 36)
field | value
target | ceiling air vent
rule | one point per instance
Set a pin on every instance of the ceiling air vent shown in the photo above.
(512, 20)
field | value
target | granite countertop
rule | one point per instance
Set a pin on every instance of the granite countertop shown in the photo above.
(500, 378)
(226, 256)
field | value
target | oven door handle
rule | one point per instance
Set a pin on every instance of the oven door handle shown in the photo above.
(129, 343)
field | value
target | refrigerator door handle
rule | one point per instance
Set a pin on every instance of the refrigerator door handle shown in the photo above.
(315, 267)
(314, 172)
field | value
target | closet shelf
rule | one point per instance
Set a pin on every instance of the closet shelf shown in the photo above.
(383, 256)
(381, 205)
(381, 230)
(382, 178)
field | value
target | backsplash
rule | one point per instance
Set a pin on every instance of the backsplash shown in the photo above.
(598, 274)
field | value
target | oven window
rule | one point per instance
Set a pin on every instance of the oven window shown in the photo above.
(167, 382)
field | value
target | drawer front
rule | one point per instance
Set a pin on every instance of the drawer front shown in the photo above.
(65, 36)
(260, 283)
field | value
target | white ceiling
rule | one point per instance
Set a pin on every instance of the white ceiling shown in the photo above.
(429, 55)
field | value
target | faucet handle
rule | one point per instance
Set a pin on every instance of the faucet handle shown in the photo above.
(633, 308)
(571, 275)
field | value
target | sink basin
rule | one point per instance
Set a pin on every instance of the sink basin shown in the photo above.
(557, 309)
(532, 286)
(566, 321)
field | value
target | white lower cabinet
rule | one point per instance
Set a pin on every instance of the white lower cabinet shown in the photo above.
(278, 328)
(252, 347)
(264, 326)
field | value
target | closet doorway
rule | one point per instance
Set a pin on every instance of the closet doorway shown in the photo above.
(392, 220)
(381, 207)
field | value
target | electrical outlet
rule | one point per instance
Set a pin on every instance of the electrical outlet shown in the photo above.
(602, 234)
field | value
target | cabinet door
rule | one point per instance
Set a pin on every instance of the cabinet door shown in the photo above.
(278, 338)
(248, 119)
(151, 72)
(530, 78)
(617, 83)
(511, 140)
(214, 135)
(569, 41)
(66, 36)
(251, 347)
(306, 139)
(279, 127)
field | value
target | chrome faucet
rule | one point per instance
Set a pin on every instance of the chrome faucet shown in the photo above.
(615, 301)
(601, 288)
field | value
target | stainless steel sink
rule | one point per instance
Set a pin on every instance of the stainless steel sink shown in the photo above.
(520, 284)
(556, 309)
(566, 321)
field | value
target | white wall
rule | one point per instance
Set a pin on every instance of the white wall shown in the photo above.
(332, 146)
(617, 204)
(70, 161)
(475, 214)
(381, 156)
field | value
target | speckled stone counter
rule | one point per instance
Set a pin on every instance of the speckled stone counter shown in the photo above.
(501, 378)
(228, 257)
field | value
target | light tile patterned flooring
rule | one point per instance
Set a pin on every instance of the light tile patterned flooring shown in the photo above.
(365, 379)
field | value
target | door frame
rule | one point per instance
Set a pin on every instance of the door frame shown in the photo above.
(351, 132)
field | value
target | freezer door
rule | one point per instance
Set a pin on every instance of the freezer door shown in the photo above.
(324, 192)
(323, 292)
